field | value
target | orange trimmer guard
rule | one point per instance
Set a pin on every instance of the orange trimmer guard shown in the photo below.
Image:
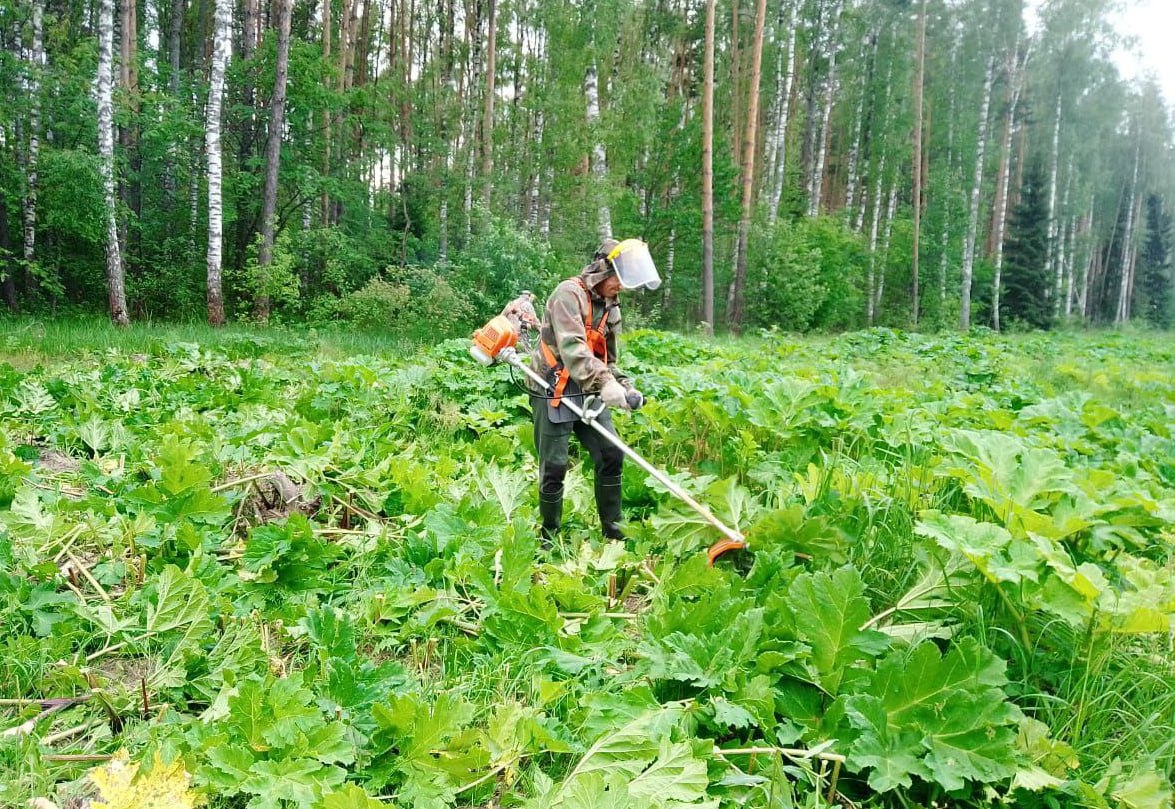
(723, 547)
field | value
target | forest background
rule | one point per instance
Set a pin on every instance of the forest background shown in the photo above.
(803, 164)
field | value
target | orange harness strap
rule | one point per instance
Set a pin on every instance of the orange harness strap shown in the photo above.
(596, 341)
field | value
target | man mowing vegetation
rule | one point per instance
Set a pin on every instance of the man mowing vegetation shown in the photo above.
(576, 354)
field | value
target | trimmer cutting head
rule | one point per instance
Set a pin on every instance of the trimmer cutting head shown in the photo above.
(729, 550)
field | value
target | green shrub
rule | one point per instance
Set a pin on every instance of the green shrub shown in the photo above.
(415, 301)
(807, 276)
(378, 303)
(498, 263)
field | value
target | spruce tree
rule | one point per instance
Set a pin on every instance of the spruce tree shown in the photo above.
(1155, 265)
(1026, 282)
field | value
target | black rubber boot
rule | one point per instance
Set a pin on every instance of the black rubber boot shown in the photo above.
(608, 492)
(551, 511)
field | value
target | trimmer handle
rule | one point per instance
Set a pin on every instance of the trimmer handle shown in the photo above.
(593, 408)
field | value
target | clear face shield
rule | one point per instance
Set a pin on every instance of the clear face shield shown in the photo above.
(634, 265)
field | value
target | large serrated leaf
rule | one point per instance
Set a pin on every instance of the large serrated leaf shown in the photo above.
(829, 611)
(675, 775)
(180, 602)
(939, 717)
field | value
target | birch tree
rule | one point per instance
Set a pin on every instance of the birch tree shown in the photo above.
(1014, 74)
(487, 124)
(221, 44)
(831, 48)
(976, 190)
(784, 107)
(1122, 313)
(33, 86)
(115, 274)
(599, 155)
(919, 66)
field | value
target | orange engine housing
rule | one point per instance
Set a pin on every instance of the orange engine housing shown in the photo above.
(492, 338)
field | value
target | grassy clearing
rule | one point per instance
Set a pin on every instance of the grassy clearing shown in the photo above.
(963, 579)
(27, 342)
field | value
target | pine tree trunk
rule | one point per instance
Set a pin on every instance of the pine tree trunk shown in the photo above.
(128, 190)
(919, 68)
(33, 88)
(976, 191)
(115, 278)
(221, 45)
(277, 119)
(487, 123)
(736, 79)
(708, 174)
(7, 270)
(175, 29)
(780, 175)
(748, 171)
(599, 157)
(174, 34)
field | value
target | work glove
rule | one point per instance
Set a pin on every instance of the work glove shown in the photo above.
(635, 399)
(614, 395)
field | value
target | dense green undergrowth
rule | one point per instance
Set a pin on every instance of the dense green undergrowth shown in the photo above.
(306, 568)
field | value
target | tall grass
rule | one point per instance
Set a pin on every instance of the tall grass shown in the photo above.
(29, 341)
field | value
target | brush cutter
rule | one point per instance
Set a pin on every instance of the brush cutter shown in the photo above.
(495, 342)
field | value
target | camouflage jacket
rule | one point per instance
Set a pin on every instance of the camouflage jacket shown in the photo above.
(563, 331)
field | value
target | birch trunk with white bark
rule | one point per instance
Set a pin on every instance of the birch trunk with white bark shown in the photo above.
(919, 77)
(832, 48)
(1123, 308)
(1061, 303)
(870, 304)
(781, 127)
(976, 192)
(487, 122)
(1054, 172)
(115, 274)
(33, 88)
(880, 139)
(1086, 263)
(221, 45)
(890, 209)
(858, 126)
(1000, 217)
(599, 157)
